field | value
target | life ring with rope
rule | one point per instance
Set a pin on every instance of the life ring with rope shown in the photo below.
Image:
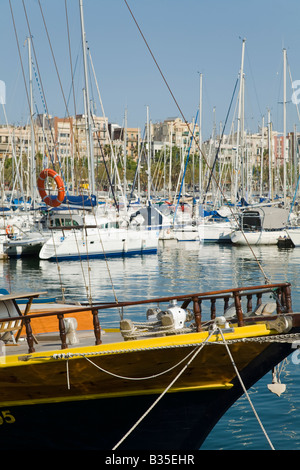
(51, 201)
(9, 230)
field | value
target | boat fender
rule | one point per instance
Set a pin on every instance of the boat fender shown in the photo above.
(276, 386)
(230, 312)
(71, 326)
(266, 309)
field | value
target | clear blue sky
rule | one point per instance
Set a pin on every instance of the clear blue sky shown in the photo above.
(186, 37)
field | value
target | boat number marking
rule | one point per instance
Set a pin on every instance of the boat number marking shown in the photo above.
(6, 417)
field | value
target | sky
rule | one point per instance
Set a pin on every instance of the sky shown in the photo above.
(186, 37)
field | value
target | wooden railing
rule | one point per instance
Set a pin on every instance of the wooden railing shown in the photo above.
(280, 291)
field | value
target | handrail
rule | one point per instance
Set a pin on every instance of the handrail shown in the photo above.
(283, 301)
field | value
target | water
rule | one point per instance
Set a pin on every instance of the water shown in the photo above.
(179, 268)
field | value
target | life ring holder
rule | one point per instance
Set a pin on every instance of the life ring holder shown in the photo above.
(48, 172)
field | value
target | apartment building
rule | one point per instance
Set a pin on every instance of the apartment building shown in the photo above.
(56, 137)
(176, 132)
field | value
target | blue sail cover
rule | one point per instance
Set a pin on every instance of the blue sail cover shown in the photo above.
(81, 200)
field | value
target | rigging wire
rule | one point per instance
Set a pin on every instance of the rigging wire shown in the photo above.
(39, 80)
(186, 163)
(244, 388)
(46, 109)
(267, 280)
(221, 139)
(196, 352)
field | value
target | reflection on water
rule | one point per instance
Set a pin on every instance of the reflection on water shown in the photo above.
(175, 268)
(179, 268)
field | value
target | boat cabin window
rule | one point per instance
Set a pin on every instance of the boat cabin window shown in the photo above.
(58, 222)
(251, 220)
(109, 225)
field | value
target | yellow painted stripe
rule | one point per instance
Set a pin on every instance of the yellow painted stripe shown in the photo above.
(216, 386)
(189, 339)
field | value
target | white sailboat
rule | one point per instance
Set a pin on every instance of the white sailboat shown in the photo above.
(30, 241)
(266, 225)
(261, 226)
(100, 235)
(213, 231)
(105, 239)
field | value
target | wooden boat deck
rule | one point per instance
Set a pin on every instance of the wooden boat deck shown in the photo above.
(52, 342)
(28, 339)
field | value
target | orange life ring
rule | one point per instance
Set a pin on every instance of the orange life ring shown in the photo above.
(9, 230)
(60, 188)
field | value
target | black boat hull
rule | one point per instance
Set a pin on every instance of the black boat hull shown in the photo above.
(179, 421)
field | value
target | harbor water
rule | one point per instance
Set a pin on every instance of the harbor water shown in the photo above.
(180, 268)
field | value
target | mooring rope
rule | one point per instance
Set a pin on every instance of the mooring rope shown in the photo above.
(244, 388)
(153, 376)
(198, 349)
(192, 355)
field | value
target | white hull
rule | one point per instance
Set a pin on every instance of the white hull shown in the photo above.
(95, 243)
(186, 233)
(3, 238)
(23, 247)
(264, 237)
(167, 234)
(294, 234)
(218, 232)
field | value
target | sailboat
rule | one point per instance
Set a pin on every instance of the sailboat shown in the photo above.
(29, 242)
(166, 381)
(96, 234)
(160, 381)
(266, 225)
(261, 226)
(99, 237)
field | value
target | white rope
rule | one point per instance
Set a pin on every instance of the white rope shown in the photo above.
(194, 353)
(244, 388)
(198, 349)
(68, 356)
(140, 378)
(68, 374)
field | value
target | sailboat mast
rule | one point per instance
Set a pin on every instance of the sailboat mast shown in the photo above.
(262, 156)
(200, 138)
(284, 126)
(170, 165)
(90, 146)
(32, 141)
(149, 157)
(270, 147)
(125, 154)
(239, 123)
